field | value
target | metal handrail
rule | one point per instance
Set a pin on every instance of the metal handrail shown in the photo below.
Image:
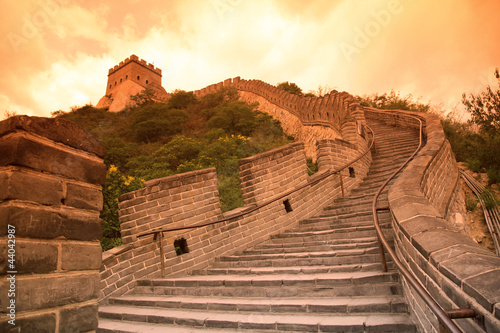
(443, 316)
(491, 215)
(270, 201)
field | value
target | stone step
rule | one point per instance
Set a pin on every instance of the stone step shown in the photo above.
(170, 319)
(301, 243)
(376, 266)
(346, 232)
(320, 279)
(118, 326)
(313, 248)
(336, 225)
(287, 262)
(351, 305)
(301, 255)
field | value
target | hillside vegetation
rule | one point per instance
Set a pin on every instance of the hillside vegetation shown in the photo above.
(186, 133)
(476, 142)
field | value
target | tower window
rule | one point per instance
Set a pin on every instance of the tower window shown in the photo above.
(115, 83)
(147, 82)
(110, 86)
(126, 77)
(120, 80)
(138, 77)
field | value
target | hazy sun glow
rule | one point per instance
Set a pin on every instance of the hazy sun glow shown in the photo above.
(56, 53)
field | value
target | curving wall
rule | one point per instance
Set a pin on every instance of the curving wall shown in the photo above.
(308, 119)
(192, 198)
(456, 271)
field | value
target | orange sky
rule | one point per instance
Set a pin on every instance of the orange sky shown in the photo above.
(56, 53)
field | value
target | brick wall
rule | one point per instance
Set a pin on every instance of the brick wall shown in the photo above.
(308, 119)
(51, 173)
(456, 271)
(191, 198)
(271, 173)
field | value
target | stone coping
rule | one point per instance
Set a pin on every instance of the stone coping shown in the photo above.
(55, 129)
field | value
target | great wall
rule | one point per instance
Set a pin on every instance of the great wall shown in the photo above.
(51, 176)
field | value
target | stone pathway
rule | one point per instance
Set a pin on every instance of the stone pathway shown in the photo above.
(323, 276)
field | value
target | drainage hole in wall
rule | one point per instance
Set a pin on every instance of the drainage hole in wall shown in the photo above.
(181, 246)
(288, 206)
(352, 173)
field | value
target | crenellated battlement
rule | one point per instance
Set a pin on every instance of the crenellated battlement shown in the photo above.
(336, 115)
(130, 77)
(136, 59)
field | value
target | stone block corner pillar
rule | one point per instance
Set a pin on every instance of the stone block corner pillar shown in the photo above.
(51, 178)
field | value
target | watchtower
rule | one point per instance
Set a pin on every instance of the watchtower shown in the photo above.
(129, 78)
(135, 69)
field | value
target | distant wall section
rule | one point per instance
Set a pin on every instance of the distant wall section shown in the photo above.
(308, 119)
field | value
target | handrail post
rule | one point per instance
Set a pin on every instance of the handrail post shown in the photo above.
(162, 255)
(341, 183)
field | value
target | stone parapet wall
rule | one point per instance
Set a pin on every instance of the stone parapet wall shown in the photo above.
(456, 271)
(272, 173)
(191, 198)
(51, 176)
(292, 124)
(308, 119)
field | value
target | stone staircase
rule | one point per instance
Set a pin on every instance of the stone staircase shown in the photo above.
(323, 276)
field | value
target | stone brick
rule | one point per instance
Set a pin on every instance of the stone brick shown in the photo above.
(45, 222)
(79, 319)
(83, 197)
(41, 292)
(468, 265)
(21, 151)
(55, 129)
(434, 240)
(19, 185)
(418, 224)
(31, 257)
(484, 288)
(44, 323)
(81, 256)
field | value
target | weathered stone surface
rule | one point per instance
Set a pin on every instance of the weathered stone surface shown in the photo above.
(18, 185)
(41, 292)
(484, 288)
(455, 251)
(43, 222)
(76, 257)
(79, 319)
(83, 197)
(45, 323)
(460, 268)
(58, 130)
(434, 240)
(420, 224)
(21, 150)
(31, 258)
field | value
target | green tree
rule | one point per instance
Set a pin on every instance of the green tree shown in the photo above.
(485, 108)
(116, 185)
(234, 117)
(145, 97)
(394, 101)
(180, 99)
(292, 88)
(485, 112)
(153, 122)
